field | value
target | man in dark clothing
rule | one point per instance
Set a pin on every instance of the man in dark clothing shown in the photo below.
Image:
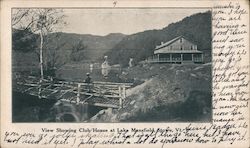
(88, 81)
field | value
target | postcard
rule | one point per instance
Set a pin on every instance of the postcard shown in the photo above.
(124, 74)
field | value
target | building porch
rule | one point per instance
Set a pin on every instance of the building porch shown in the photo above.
(176, 58)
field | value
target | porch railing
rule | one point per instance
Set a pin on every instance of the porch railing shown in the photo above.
(163, 59)
(151, 59)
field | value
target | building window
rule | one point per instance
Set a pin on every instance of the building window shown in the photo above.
(170, 47)
(181, 47)
(180, 40)
(191, 47)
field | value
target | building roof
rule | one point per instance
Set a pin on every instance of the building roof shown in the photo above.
(177, 51)
(169, 42)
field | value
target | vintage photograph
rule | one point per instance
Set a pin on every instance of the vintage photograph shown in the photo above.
(111, 65)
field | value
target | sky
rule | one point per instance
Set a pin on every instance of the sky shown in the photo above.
(126, 21)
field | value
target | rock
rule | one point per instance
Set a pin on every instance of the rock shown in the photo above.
(198, 68)
(132, 102)
(193, 75)
(176, 89)
(124, 116)
(162, 67)
(101, 112)
(172, 67)
(179, 71)
(94, 118)
(208, 64)
(113, 118)
(109, 111)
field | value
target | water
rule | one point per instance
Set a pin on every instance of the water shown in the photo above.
(113, 74)
(27, 108)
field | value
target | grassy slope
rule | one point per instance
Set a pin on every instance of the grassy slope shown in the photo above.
(169, 93)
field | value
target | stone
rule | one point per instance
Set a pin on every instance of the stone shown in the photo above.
(109, 111)
(123, 116)
(193, 75)
(132, 102)
(101, 112)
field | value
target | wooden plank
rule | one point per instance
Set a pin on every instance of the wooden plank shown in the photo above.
(33, 85)
(104, 105)
(94, 94)
(106, 91)
(94, 104)
(112, 83)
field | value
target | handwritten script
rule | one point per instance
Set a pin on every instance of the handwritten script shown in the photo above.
(230, 100)
(95, 137)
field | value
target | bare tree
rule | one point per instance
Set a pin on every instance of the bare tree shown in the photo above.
(76, 48)
(18, 15)
(39, 21)
(79, 46)
(54, 57)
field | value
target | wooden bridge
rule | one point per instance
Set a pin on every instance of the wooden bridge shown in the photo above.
(103, 94)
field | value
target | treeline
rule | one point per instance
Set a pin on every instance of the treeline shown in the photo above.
(61, 48)
(196, 28)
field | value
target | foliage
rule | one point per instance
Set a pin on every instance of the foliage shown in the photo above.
(42, 22)
(77, 51)
(196, 28)
(47, 19)
(24, 40)
(68, 47)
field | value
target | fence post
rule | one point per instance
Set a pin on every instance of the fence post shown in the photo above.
(40, 89)
(100, 89)
(39, 92)
(78, 93)
(120, 96)
(123, 91)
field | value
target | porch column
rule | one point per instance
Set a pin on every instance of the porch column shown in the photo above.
(181, 57)
(202, 57)
(193, 57)
(158, 57)
(170, 57)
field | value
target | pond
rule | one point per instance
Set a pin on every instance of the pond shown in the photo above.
(27, 108)
(78, 73)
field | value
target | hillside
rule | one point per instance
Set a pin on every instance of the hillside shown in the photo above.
(95, 46)
(197, 28)
(67, 47)
(169, 92)
(160, 92)
(82, 48)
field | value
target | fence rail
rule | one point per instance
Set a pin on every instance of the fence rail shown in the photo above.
(105, 94)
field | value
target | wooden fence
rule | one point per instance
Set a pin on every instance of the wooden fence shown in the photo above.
(104, 94)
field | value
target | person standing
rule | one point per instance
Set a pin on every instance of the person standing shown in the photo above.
(91, 67)
(105, 67)
(88, 80)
